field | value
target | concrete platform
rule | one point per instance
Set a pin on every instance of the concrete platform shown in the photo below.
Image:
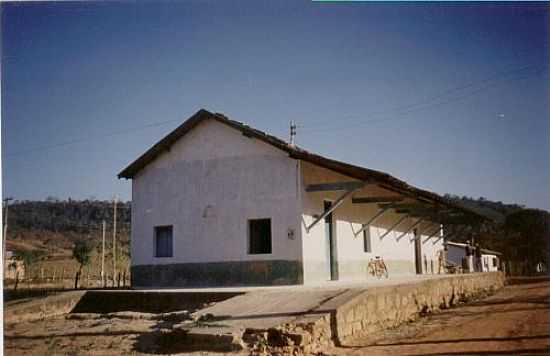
(268, 307)
(236, 308)
(239, 308)
(310, 317)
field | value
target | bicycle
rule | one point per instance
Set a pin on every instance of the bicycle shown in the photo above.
(377, 267)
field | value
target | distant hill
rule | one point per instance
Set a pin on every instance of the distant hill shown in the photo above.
(51, 228)
(66, 216)
(496, 210)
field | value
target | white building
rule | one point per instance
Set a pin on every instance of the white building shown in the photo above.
(457, 254)
(14, 268)
(217, 202)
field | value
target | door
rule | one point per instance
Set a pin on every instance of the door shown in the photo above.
(417, 252)
(331, 244)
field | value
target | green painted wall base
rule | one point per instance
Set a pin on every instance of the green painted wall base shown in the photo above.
(218, 274)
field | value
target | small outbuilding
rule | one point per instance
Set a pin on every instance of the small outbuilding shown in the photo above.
(219, 203)
(463, 254)
(490, 260)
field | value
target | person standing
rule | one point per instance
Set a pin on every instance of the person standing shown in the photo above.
(469, 258)
(442, 259)
(478, 266)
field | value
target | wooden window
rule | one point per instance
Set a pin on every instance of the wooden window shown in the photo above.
(366, 240)
(164, 241)
(259, 236)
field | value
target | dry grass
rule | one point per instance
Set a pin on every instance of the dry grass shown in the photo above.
(57, 268)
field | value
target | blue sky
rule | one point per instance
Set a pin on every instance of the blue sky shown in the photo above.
(453, 98)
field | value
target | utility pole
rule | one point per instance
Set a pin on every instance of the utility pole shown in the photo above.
(5, 234)
(114, 239)
(103, 257)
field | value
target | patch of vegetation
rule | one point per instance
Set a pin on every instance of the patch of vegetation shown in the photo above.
(82, 254)
(521, 234)
(64, 216)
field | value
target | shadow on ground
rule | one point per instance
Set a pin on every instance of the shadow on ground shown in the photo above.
(527, 280)
(147, 302)
(167, 337)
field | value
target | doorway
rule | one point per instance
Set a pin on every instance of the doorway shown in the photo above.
(417, 252)
(331, 243)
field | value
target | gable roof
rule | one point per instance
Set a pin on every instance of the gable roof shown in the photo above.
(382, 179)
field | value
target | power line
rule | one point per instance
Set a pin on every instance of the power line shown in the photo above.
(421, 105)
(436, 100)
(91, 138)
(496, 76)
(403, 109)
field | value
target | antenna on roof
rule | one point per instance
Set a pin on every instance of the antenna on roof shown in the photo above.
(292, 133)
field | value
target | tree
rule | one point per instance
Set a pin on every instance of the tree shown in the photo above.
(29, 258)
(82, 254)
(528, 238)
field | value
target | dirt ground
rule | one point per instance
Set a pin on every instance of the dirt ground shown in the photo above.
(514, 321)
(121, 333)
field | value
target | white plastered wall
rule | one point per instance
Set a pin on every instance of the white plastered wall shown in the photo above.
(487, 262)
(207, 186)
(348, 218)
